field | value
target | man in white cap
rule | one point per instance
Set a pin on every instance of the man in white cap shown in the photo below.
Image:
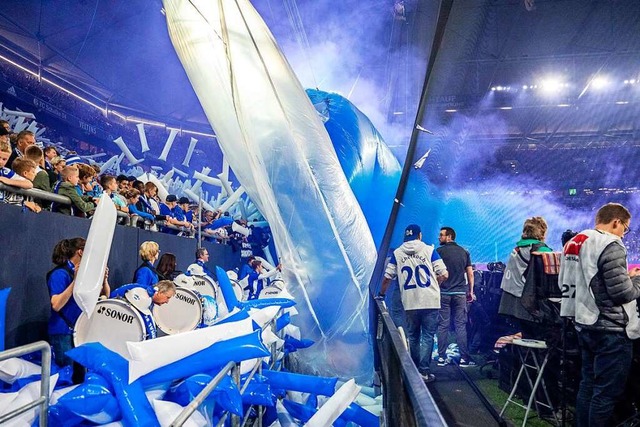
(143, 299)
(419, 270)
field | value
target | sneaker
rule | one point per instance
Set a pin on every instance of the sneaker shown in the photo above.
(442, 361)
(428, 378)
(464, 363)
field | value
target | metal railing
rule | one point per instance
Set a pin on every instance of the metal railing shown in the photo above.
(123, 217)
(234, 368)
(43, 400)
(406, 399)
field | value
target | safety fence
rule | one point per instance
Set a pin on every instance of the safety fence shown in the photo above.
(407, 401)
(45, 373)
(123, 218)
(253, 414)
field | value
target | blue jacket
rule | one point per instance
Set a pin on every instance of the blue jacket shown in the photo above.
(146, 275)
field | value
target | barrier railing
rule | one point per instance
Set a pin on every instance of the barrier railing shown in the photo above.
(123, 217)
(234, 368)
(43, 400)
(406, 399)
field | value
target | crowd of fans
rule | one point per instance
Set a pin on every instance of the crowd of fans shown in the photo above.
(24, 165)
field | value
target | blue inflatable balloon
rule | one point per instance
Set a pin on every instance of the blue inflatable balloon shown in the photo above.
(258, 392)
(300, 382)
(267, 302)
(229, 295)
(4, 294)
(93, 400)
(136, 409)
(225, 394)
(283, 321)
(372, 170)
(246, 347)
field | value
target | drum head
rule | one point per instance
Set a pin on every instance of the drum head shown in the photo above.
(205, 285)
(182, 313)
(278, 283)
(270, 292)
(112, 324)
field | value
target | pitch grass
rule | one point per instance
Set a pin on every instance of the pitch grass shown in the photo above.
(514, 414)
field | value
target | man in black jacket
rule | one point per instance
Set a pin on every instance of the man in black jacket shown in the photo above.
(601, 294)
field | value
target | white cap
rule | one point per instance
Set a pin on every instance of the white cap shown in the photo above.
(140, 299)
(184, 281)
(195, 269)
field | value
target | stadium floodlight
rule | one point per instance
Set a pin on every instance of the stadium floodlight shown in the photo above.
(493, 89)
(599, 82)
(552, 85)
(525, 87)
(506, 108)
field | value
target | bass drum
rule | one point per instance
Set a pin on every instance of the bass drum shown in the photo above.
(273, 290)
(112, 324)
(182, 313)
(205, 285)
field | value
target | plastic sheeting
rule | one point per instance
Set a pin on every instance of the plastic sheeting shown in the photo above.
(280, 151)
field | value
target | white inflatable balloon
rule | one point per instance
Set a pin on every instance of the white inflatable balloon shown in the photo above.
(147, 356)
(143, 137)
(27, 394)
(126, 151)
(232, 199)
(90, 277)
(15, 368)
(187, 157)
(167, 412)
(168, 144)
(335, 406)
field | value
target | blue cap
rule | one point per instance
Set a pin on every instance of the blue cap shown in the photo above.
(412, 232)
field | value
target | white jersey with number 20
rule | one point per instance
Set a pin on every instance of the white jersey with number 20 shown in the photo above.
(417, 265)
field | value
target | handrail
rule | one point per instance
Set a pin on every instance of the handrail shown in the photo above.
(193, 405)
(235, 371)
(53, 197)
(45, 374)
(424, 410)
(36, 194)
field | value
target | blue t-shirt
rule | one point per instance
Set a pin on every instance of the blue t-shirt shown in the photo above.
(173, 213)
(58, 280)
(146, 275)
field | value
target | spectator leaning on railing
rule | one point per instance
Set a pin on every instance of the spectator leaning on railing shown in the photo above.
(133, 197)
(24, 169)
(58, 164)
(67, 187)
(41, 181)
(7, 176)
(110, 186)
